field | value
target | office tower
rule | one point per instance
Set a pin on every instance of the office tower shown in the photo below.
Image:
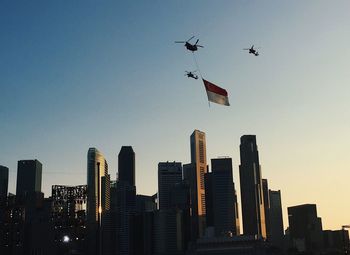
(126, 165)
(305, 228)
(276, 219)
(181, 201)
(199, 161)
(223, 197)
(168, 237)
(29, 173)
(126, 201)
(68, 213)
(4, 181)
(97, 204)
(209, 207)
(251, 188)
(145, 204)
(266, 196)
(169, 173)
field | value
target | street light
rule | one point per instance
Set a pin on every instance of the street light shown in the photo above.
(65, 239)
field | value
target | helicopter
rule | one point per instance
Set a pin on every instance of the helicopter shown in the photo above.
(253, 51)
(191, 74)
(189, 46)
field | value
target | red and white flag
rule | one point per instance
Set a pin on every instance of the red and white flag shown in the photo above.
(216, 94)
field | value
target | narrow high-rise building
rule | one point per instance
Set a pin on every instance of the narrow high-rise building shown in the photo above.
(97, 198)
(4, 181)
(29, 174)
(276, 219)
(126, 201)
(253, 212)
(223, 197)
(199, 159)
(266, 195)
(169, 174)
(126, 165)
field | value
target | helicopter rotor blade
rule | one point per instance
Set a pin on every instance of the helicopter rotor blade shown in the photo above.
(190, 39)
(246, 49)
(200, 46)
(196, 42)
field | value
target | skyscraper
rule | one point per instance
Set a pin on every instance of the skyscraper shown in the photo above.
(126, 201)
(199, 159)
(276, 219)
(251, 188)
(305, 228)
(223, 197)
(4, 181)
(169, 173)
(266, 195)
(126, 165)
(29, 174)
(97, 204)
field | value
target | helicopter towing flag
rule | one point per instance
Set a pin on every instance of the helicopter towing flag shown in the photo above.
(215, 93)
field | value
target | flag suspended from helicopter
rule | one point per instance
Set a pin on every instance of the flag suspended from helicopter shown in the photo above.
(216, 94)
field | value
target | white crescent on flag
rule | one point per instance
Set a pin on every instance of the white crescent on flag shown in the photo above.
(216, 94)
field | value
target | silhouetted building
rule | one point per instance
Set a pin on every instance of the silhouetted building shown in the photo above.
(266, 196)
(305, 228)
(27, 226)
(97, 199)
(4, 181)
(276, 219)
(220, 185)
(253, 212)
(336, 241)
(68, 216)
(227, 245)
(209, 207)
(169, 173)
(145, 204)
(126, 165)
(29, 174)
(168, 232)
(143, 225)
(126, 201)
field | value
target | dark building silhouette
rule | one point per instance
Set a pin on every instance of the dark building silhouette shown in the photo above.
(169, 173)
(126, 202)
(276, 219)
(145, 204)
(29, 175)
(336, 241)
(222, 207)
(305, 228)
(126, 165)
(266, 195)
(168, 232)
(143, 225)
(97, 199)
(68, 218)
(4, 181)
(227, 245)
(253, 212)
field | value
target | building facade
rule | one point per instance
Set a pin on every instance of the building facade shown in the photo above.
(169, 174)
(29, 175)
(253, 211)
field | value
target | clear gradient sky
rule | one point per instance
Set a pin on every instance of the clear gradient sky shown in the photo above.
(79, 74)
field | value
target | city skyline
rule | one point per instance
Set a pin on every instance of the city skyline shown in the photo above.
(64, 90)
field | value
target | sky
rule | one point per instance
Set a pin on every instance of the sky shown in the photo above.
(79, 74)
